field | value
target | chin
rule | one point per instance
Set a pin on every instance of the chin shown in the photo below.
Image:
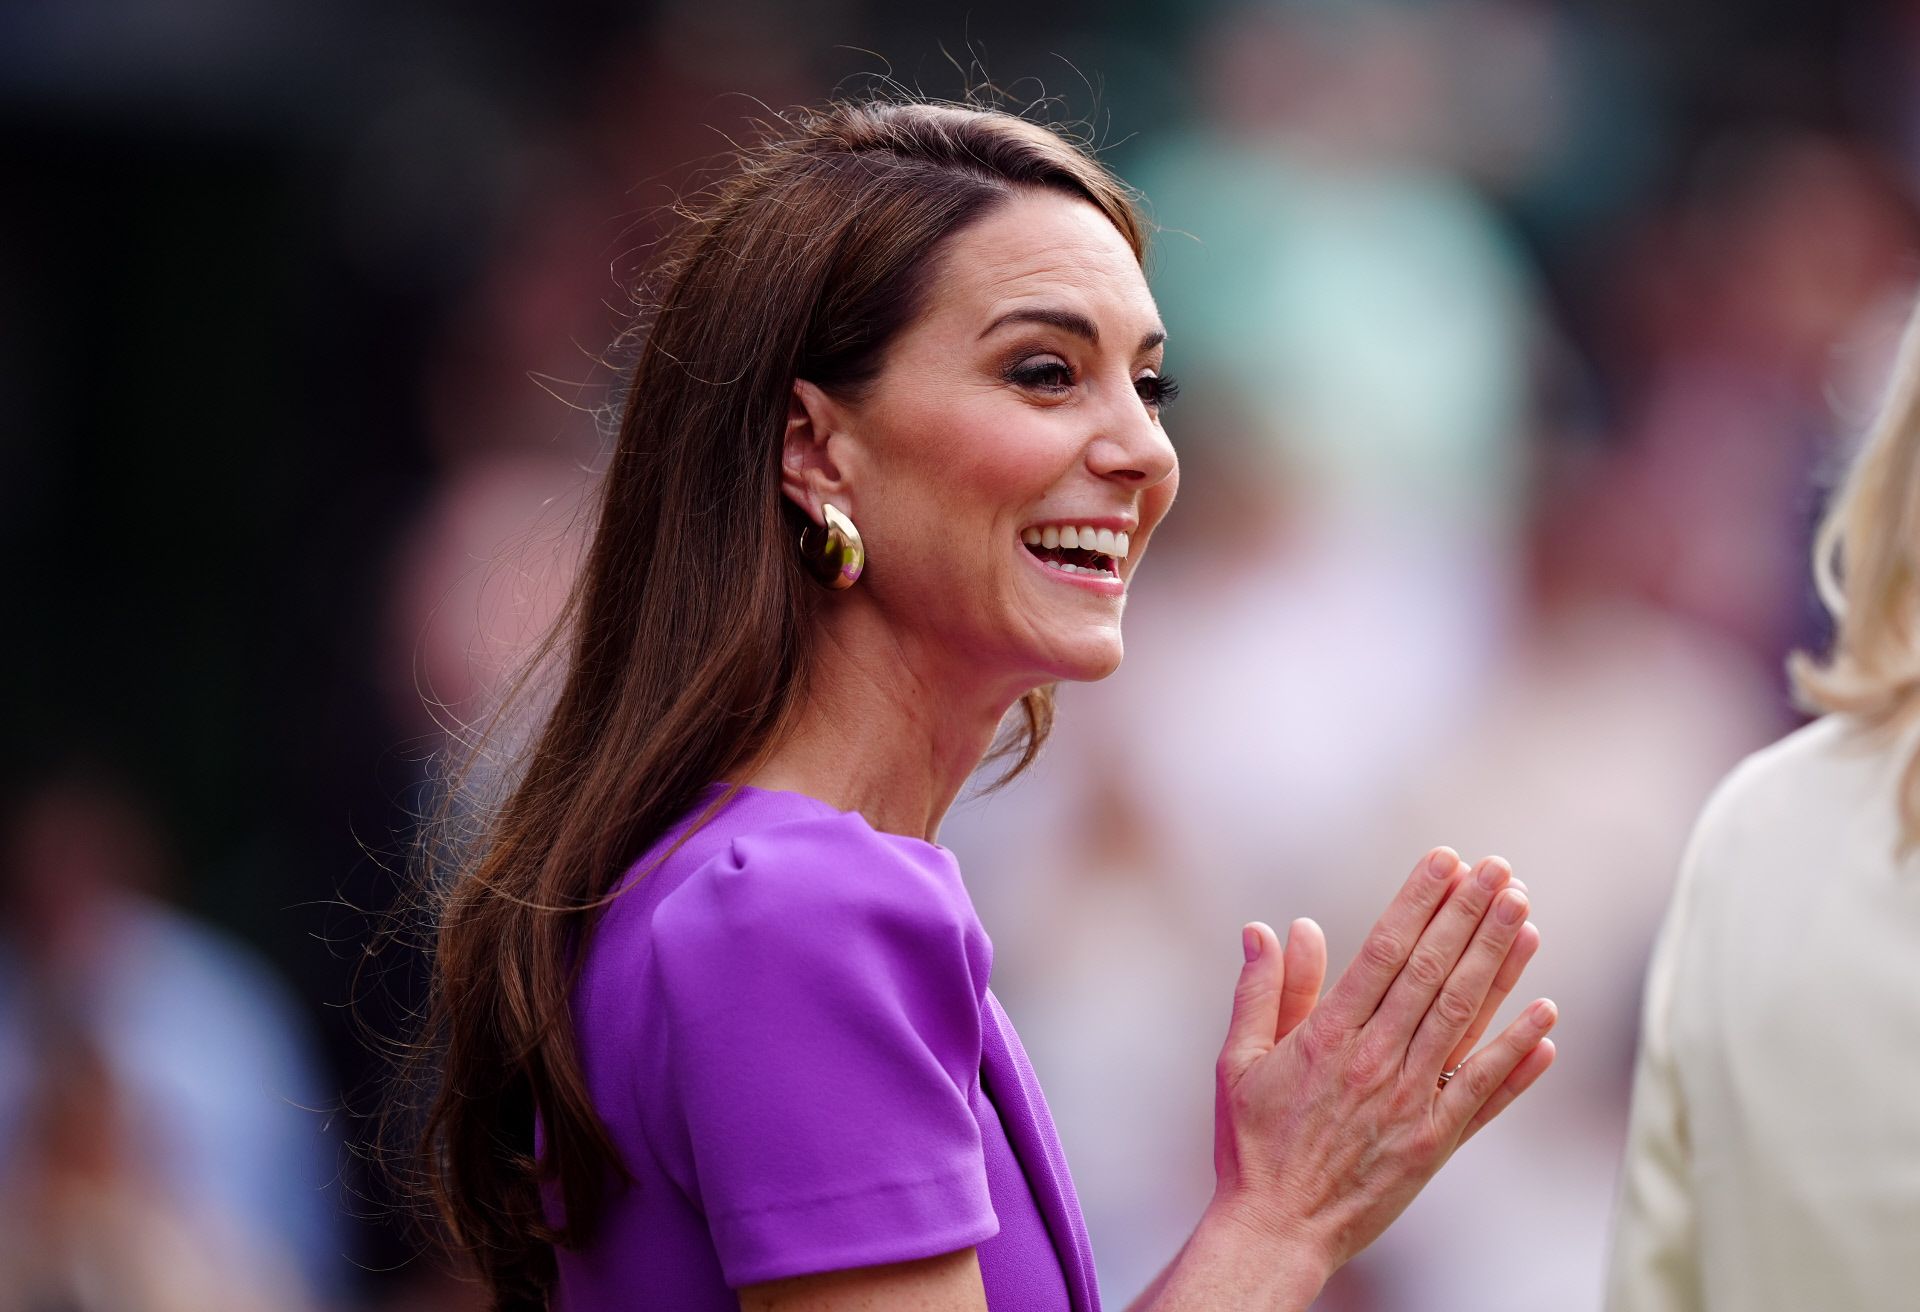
(1086, 662)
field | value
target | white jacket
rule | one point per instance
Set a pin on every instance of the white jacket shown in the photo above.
(1774, 1156)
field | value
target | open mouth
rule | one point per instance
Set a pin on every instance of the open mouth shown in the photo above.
(1078, 550)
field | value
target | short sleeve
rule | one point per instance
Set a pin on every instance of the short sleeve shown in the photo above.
(822, 986)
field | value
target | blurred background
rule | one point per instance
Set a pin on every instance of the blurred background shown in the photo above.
(1519, 343)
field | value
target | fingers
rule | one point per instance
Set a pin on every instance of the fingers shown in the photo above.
(1365, 981)
(1525, 944)
(1256, 999)
(1431, 963)
(1485, 1074)
(1531, 1067)
(1306, 971)
(1463, 996)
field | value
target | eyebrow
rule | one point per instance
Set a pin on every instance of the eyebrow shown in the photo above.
(1068, 320)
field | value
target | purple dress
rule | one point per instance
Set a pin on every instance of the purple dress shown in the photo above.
(787, 1029)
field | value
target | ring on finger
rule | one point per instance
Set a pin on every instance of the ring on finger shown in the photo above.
(1448, 1075)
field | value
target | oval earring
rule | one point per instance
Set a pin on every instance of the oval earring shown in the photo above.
(834, 554)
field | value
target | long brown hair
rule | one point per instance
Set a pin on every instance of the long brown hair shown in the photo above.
(686, 637)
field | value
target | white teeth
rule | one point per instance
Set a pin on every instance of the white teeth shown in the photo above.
(1082, 537)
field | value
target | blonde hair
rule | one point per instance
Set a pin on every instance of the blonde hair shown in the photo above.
(1866, 565)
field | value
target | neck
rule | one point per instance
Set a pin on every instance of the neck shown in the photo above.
(888, 727)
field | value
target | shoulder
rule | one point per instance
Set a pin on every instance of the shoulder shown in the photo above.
(1826, 780)
(824, 890)
(832, 865)
(1786, 775)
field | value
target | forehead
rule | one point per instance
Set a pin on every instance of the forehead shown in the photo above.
(1044, 247)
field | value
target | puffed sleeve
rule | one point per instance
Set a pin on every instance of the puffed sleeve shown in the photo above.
(822, 987)
(1654, 1265)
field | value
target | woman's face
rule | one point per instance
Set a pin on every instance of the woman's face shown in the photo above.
(1022, 411)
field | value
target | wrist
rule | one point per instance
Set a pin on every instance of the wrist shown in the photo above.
(1243, 1256)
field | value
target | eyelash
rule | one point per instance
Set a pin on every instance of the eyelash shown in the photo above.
(1157, 390)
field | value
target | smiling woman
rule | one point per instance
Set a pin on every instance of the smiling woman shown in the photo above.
(713, 1005)
(1023, 400)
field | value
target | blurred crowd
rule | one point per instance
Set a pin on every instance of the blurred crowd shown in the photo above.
(1518, 342)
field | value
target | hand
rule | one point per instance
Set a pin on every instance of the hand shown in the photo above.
(1329, 1114)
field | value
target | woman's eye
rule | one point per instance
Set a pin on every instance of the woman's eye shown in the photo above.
(1045, 375)
(1156, 389)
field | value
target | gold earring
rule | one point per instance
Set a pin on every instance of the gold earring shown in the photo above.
(834, 554)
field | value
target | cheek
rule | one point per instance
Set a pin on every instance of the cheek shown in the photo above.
(1011, 471)
(976, 463)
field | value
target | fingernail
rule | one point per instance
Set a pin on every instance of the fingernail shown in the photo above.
(1443, 863)
(1493, 872)
(1250, 943)
(1541, 1013)
(1511, 907)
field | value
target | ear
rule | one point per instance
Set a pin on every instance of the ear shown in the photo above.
(809, 474)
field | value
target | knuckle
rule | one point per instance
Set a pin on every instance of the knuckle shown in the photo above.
(1426, 970)
(1455, 1008)
(1363, 1069)
(1366, 1065)
(1483, 1077)
(1382, 952)
(1242, 1103)
(1318, 1036)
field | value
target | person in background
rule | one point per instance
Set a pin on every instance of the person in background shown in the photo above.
(1774, 1148)
(161, 1145)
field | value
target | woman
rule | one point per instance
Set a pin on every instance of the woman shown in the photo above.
(1773, 1159)
(892, 453)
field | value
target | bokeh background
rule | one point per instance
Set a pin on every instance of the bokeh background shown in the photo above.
(1519, 342)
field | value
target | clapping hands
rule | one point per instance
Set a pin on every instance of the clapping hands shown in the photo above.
(1331, 1113)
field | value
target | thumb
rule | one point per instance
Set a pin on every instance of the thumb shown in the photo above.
(1256, 999)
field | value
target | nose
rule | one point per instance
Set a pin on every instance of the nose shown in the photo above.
(1134, 449)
